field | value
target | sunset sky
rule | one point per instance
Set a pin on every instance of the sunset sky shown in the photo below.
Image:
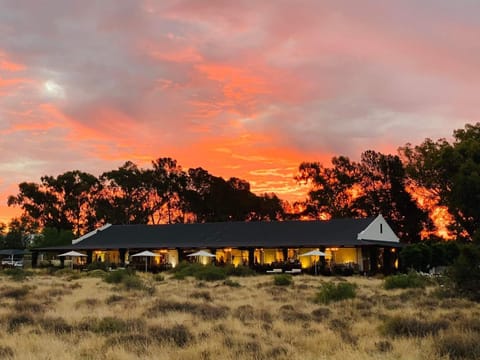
(240, 88)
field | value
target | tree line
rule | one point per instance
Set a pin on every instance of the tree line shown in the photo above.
(447, 173)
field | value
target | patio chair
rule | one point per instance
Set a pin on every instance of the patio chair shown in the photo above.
(274, 271)
(294, 271)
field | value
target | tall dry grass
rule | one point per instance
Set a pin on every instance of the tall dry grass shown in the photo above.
(75, 316)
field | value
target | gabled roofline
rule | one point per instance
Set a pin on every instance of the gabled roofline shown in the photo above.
(386, 233)
(91, 233)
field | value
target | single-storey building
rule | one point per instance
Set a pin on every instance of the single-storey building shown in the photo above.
(364, 245)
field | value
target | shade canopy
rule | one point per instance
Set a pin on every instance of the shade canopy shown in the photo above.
(72, 253)
(11, 252)
(314, 253)
(201, 253)
(146, 253)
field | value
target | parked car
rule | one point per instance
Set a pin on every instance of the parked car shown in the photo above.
(12, 263)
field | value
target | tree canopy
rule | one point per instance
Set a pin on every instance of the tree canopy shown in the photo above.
(446, 173)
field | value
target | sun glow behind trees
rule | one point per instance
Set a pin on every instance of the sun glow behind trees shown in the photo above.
(425, 192)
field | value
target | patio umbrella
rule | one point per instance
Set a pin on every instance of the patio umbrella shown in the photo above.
(314, 253)
(73, 254)
(147, 254)
(202, 253)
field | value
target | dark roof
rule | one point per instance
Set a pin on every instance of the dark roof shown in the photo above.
(275, 234)
(11, 252)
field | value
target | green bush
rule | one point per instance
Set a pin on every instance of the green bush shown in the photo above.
(231, 283)
(158, 277)
(199, 271)
(282, 280)
(399, 326)
(465, 272)
(98, 265)
(184, 269)
(64, 272)
(17, 274)
(97, 273)
(405, 281)
(330, 292)
(132, 282)
(116, 277)
(211, 273)
(239, 271)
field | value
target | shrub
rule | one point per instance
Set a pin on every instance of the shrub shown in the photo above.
(97, 273)
(132, 282)
(231, 283)
(239, 271)
(158, 277)
(98, 265)
(384, 346)
(330, 292)
(177, 334)
(458, 346)
(416, 256)
(28, 306)
(6, 352)
(56, 325)
(282, 280)
(64, 272)
(15, 321)
(205, 311)
(404, 281)
(205, 295)
(184, 269)
(136, 343)
(116, 277)
(465, 272)
(16, 293)
(321, 313)
(399, 326)
(211, 273)
(200, 272)
(17, 274)
(109, 324)
(114, 299)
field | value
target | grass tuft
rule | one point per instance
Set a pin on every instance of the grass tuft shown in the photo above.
(331, 292)
(405, 281)
(458, 346)
(282, 280)
(6, 352)
(177, 334)
(400, 326)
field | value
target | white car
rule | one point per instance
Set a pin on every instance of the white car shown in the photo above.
(12, 263)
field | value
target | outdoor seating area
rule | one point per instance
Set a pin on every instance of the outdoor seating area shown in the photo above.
(294, 271)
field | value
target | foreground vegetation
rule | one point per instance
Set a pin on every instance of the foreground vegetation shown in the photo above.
(122, 315)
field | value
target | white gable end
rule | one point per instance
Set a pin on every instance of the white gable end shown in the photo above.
(378, 230)
(87, 235)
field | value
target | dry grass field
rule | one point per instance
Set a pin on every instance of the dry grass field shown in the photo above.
(83, 317)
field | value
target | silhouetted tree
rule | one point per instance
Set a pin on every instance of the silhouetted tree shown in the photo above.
(375, 185)
(125, 196)
(62, 202)
(451, 173)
